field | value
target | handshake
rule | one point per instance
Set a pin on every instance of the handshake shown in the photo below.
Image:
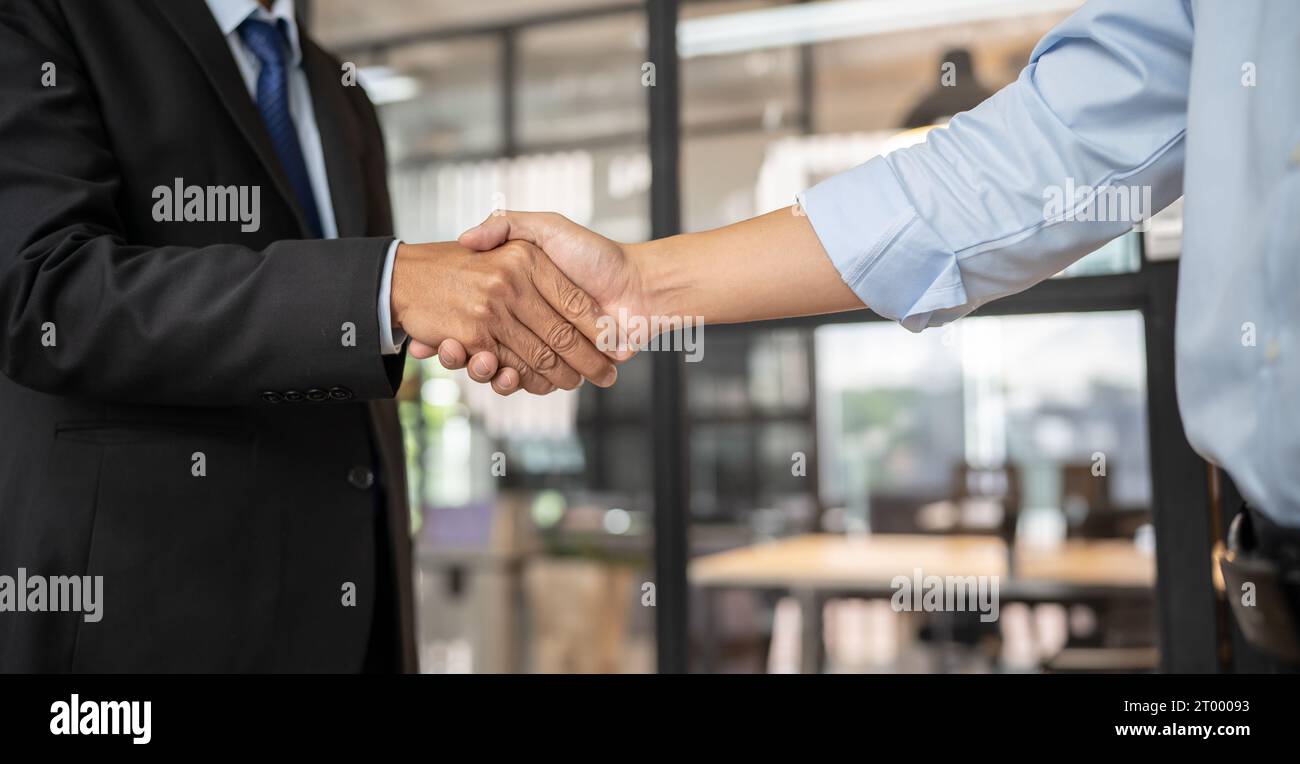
(525, 300)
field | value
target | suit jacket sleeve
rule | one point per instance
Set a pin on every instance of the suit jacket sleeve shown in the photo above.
(88, 313)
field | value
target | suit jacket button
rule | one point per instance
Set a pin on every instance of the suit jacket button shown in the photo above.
(316, 396)
(361, 478)
(270, 396)
(340, 393)
(293, 396)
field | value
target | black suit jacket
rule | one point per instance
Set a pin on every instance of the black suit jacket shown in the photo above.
(171, 339)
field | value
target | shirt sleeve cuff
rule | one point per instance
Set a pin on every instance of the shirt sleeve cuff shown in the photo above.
(890, 257)
(390, 339)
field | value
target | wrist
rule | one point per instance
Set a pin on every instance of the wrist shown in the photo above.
(658, 272)
(398, 291)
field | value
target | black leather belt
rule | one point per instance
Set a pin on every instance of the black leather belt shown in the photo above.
(1261, 575)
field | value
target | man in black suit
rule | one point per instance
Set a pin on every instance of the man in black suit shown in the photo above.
(203, 320)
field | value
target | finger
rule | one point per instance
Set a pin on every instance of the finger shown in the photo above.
(483, 366)
(578, 330)
(551, 232)
(533, 307)
(564, 341)
(525, 377)
(451, 354)
(420, 350)
(506, 382)
(514, 333)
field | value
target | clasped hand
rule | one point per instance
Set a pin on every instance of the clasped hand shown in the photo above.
(501, 306)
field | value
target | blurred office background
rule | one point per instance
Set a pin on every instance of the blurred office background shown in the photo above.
(825, 455)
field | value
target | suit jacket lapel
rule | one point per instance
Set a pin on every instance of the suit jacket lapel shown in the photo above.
(194, 23)
(340, 138)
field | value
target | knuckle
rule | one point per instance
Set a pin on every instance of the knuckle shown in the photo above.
(545, 360)
(562, 337)
(496, 283)
(573, 301)
(518, 252)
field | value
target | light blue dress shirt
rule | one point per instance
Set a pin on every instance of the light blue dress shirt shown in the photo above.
(1171, 96)
(229, 14)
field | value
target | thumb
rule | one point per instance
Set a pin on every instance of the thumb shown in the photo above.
(489, 234)
(536, 228)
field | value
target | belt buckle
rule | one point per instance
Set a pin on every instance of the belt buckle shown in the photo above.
(1267, 621)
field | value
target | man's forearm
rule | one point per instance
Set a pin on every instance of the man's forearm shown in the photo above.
(771, 266)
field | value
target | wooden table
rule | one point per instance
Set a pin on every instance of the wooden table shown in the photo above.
(815, 566)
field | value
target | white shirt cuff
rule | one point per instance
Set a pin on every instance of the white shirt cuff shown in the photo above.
(390, 339)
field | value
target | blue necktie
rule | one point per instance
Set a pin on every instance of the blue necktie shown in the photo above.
(269, 44)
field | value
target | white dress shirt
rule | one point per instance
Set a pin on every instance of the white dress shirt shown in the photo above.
(229, 15)
(1113, 96)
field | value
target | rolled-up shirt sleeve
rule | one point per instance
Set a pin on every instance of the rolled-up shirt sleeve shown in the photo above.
(928, 233)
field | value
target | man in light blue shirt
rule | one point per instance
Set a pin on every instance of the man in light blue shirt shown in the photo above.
(1166, 95)
(1124, 106)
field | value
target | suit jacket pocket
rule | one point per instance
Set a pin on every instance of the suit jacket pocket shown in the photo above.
(188, 560)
